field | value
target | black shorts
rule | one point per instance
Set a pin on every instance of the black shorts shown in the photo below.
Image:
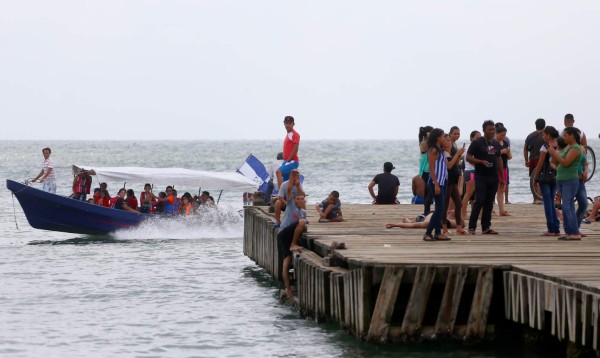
(285, 237)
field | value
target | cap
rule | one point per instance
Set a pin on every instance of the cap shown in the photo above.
(288, 119)
(388, 167)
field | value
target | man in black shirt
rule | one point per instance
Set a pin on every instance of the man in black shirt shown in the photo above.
(387, 186)
(531, 149)
(484, 154)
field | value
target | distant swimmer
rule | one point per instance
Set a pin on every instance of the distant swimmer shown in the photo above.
(47, 175)
(291, 143)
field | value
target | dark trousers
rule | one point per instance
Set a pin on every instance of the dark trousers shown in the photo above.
(435, 223)
(486, 188)
(428, 194)
(452, 193)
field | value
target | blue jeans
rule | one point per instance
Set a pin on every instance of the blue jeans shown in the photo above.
(269, 192)
(548, 194)
(436, 218)
(568, 190)
(582, 202)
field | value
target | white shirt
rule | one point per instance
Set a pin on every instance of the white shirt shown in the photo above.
(48, 164)
(272, 169)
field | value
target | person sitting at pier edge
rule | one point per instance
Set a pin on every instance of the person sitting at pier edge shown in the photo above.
(291, 143)
(418, 190)
(147, 200)
(484, 154)
(545, 174)
(293, 224)
(387, 186)
(567, 176)
(330, 209)
(120, 203)
(132, 201)
(47, 175)
(82, 183)
(272, 183)
(288, 191)
(438, 177)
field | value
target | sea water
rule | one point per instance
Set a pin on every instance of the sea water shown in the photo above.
(184, 288)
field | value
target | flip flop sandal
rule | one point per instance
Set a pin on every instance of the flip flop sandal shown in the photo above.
(566, 238)
(441, 237)
(489, 232)
(428, 237)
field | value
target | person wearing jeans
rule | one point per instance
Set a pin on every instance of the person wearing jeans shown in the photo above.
(438, 177)
(548, 187)
(567, 176)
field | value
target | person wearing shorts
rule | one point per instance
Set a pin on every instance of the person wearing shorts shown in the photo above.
(291, 143)
(293, 224)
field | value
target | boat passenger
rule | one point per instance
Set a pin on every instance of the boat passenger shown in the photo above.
(132, 201)
(147, 200)
(104, 199)
(91, 201)
(103, 186)
(186, 208)
(170, 202)
(159, 207)
(120, 203)
(82, 184)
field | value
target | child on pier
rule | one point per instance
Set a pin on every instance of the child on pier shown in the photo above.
(293, 224)
(330, 209)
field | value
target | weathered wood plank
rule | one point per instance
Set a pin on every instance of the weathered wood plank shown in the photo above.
(453, 290)
(480, 306)
(418, 300)
(384, 306)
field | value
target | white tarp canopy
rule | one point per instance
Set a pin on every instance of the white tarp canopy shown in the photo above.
(172, 176)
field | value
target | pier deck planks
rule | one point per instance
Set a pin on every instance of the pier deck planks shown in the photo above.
(519, 244)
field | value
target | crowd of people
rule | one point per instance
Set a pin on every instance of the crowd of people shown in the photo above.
(557, 162)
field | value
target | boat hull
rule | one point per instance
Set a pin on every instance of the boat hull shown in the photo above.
(47, 211)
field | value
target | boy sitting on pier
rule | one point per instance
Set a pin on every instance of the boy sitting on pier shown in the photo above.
(293, 224)
(330, 209)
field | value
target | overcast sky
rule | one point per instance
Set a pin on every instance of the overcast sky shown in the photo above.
(344, 69)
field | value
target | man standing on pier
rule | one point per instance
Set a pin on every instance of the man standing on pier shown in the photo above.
(484, 154)
(531, 149)
(290, 151)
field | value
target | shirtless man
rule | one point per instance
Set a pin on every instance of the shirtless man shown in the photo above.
(409, 224)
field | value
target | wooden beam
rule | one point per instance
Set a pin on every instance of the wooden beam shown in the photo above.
(384, 306)
(419, 298)
(455, 283)
(482, 298)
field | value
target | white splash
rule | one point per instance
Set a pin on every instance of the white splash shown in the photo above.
(222, 222)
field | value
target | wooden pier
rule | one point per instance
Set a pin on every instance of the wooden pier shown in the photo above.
(390, 285)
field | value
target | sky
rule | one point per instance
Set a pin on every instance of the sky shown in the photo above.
(344, 69)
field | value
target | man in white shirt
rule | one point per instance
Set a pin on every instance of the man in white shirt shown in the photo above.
(273, 176)
(47, 175)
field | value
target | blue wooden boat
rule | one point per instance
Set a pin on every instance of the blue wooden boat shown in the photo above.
(53, 212)
(47, 211)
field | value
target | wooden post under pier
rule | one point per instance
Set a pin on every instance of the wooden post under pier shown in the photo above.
(393, 286)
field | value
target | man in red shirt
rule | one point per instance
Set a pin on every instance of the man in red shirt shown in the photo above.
(290, 151)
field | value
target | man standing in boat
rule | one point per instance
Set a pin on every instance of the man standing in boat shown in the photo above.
(47, 175)
(290, 151)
